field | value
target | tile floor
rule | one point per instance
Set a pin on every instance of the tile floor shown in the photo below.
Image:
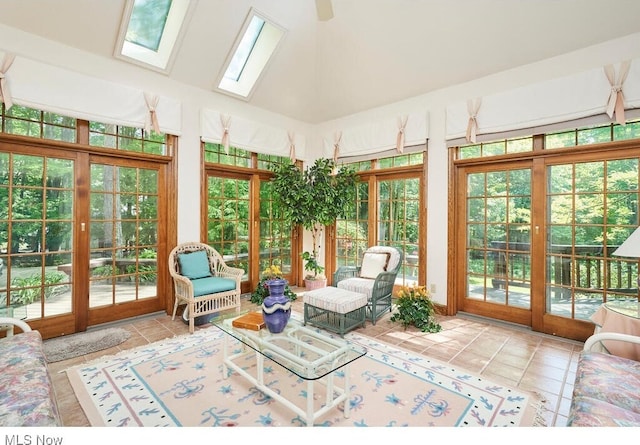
(506, 354)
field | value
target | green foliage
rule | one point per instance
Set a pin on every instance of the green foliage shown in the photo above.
(148, 253)
(146, 273)
(352, 239)
(104, 271)
(415, 308)
(314, 197)
(31, 287)
(311, 264)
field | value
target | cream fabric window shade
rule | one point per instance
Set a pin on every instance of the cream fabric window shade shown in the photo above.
(553, 105)
(248, 135)
(379, 137)
(384, 154)
(45, 87)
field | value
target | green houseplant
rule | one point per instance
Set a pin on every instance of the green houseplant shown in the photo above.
(415, 308)
(314, 198)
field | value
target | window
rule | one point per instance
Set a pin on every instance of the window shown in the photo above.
(256, 43)
(496, 148)
(150, 31)
(267, 162)
(216, 154)
(401, 160)
(575, 137)
(25, 121)
(125, 138)
(593, 135)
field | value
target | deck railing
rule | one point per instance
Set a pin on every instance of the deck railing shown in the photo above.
(588, 267)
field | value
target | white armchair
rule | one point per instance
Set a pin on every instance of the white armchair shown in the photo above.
(374, 277)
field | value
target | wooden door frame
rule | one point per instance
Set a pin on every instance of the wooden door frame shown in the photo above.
(78, 319)
(101, 315)
(540, 320)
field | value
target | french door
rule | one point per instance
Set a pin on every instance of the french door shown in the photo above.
(496, 244)
(243, 224)
(126, 238)
(387, 212)
(534, 239)
(80, 237)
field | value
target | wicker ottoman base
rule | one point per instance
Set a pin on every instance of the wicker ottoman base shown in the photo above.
(336, 310)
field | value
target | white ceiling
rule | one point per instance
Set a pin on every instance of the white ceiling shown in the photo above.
(372, 53)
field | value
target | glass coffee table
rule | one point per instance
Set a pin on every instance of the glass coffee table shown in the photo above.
(311, 354)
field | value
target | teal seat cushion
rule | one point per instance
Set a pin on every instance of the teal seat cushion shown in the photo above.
(212, 285)
(194, 265)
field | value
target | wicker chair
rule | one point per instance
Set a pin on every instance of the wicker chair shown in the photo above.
(203, 281)
(375, 277)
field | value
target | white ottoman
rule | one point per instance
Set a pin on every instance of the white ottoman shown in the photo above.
(333, 309)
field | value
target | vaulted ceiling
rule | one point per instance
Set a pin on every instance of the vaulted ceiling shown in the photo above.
(372, 53)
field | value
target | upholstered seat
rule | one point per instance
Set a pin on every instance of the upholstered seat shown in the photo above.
(374, 277)
(334, 309)
(203, 281)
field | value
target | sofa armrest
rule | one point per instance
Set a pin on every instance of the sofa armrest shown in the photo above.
(24, 327)
(594, 343)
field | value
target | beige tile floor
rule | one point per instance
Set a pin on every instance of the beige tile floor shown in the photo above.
(503, 353)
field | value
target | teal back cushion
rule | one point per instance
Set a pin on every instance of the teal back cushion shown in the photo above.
(194, 265)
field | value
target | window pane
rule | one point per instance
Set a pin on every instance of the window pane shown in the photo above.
(147, 22)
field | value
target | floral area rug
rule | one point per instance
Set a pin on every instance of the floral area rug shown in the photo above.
(179, 382)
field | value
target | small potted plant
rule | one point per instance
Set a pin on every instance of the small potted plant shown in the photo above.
(315, 278)
(415, 308)
(261, 292)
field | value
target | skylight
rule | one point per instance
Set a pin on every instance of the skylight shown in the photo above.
(146, 24)
(150, 31)
(256, 43)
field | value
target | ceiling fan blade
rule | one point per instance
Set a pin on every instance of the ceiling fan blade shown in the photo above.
(324, 10)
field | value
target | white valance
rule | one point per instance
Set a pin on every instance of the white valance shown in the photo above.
(248, 135)
(565, 99)
(376, 137)
(45, 87)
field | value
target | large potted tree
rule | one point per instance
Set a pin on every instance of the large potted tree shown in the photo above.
(314, 198)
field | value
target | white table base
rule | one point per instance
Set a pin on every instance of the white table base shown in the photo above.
(334, 394)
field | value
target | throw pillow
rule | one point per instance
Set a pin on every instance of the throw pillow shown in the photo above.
(373, 264)
(194, 265)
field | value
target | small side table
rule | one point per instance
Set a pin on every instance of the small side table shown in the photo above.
(622, 317)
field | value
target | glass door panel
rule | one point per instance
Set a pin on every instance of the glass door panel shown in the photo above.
(592, 208)
(399, 223)
(36, 234)
(498, 237)
(275, 235)
(228, 220)
(352, 232)
(123, 234)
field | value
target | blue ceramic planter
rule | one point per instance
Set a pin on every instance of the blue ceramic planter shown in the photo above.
(276, 308)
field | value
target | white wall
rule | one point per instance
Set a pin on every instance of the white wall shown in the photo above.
(433, 103)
